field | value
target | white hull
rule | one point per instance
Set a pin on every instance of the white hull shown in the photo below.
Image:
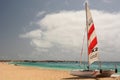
(92, 73)
(106, 73)
(85, 73)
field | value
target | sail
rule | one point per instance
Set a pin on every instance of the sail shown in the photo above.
(91, 37)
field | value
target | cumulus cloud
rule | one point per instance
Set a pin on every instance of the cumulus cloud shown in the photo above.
(40, 13)
(40, 43)
(63, 29)
(66, 28)
(32, 34)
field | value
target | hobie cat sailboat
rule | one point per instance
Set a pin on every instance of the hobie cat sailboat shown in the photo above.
(92, 50)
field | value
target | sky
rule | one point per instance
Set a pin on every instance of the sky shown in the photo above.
(54, 29)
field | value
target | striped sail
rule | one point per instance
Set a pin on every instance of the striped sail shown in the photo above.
(91, 36)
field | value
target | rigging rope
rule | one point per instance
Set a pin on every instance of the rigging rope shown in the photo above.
(82, 47)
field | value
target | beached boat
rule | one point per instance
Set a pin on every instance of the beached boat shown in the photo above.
(92, 51)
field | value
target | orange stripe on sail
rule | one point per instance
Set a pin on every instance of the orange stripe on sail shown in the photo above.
(92, 45)
(90, 31)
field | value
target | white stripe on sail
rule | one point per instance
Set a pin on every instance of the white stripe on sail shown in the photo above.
(93, 57)
(89, 26)
(93, 35)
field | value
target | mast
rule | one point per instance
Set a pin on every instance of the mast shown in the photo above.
(86, 3)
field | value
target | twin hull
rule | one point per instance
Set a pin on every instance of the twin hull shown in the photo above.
(92, 73)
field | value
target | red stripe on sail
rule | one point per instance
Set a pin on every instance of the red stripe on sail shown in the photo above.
(90, 31)
(92, 45)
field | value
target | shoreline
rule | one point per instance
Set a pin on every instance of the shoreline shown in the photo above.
(35, 67)
(61, 66)
(12, 72)
(40, 67)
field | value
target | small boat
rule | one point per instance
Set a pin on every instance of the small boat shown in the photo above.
(92, 51)
(85, 73)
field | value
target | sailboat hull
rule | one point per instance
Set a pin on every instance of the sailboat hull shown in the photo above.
(85, 73)
(92, 73)
(106, 73)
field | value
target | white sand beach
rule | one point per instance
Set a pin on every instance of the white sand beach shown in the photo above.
(12, 72)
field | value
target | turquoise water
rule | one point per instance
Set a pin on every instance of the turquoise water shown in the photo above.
(70, 65)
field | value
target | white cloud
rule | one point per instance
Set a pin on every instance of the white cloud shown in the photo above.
(36, 38)
(40, 13)
(32, 34)
(66, 29)
(40, 43)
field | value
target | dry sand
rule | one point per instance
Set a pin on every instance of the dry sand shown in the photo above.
(12, 72)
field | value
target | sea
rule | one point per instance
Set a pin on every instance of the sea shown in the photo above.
(70, 65)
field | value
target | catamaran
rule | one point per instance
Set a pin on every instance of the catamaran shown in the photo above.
(92, 45)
